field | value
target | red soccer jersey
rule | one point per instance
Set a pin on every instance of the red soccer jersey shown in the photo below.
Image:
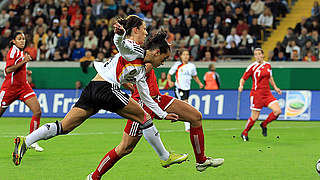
(152, 84)
(260, 74)
(18, 77)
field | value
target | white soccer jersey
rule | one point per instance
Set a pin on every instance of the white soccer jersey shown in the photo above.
(128, 67)
(184, 73)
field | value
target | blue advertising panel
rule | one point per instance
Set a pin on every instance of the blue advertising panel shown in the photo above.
(219, 104)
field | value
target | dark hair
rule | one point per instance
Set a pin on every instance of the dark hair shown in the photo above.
(158, 41)
(130, 22)
(258, 49)
(14, 37)
(182, 50)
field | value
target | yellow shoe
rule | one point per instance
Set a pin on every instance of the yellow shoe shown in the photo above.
(174, 159)
(20, 149)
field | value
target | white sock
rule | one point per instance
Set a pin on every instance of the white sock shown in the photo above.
(152, 135)
(46, 131)
(187, 126)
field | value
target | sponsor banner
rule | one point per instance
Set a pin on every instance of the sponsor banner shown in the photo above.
(219, 104)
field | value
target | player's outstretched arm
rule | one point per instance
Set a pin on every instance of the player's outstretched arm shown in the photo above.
(241, 83)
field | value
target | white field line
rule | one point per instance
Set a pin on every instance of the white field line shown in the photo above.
(10, 135)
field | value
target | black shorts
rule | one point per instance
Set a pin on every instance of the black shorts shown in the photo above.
(181, 94)
(102, 95)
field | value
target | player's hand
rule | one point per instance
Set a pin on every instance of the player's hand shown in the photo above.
(171, 84)
(201, 85)
(173, 117)
(27, 58)
(240, 88)
(118, 28)
(278, 90)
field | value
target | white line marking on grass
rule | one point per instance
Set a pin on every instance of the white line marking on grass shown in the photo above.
(11, 135)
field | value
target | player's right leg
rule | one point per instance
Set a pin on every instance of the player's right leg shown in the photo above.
(254, 116)
(126, 146)
(73, 119)
(188, 113)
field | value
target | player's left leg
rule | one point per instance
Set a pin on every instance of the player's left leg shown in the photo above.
(34, 106)
(276, 111)
(188, 113)
(126, 146)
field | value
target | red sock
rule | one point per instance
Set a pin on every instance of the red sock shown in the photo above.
(197, 140)
(35, 121)
(270, 118)
(249, 125)
(105, 164)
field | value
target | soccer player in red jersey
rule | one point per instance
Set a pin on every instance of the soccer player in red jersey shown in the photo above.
(260, 95)
(16, 86)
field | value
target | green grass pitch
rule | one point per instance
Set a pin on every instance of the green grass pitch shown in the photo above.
(291, 156)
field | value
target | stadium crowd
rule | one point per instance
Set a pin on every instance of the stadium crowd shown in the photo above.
(301, 43)
(81, 30)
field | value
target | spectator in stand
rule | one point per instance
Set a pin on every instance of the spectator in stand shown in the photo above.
(211, 79)
(204, 27)
(40, 37)
(211, 14)
(308, 47)
(76, 17)
(52, 42)
(246, 44)
(195, 50)
(78, 52)
(174, 27)
(266, 19)
(5, 39)
(217, 23)
(55, 26)
(204, 39)
(303, 37)
(169, 8)
(31, 50)
(216, 37)
(279, 48)
(52, 16)
(163, 82)
(280, 57)
(314, 26)
(315, 11)
(186, 25)
(290, 36)
(300, 25)
(233, 50)
(191, 38)
(57, 56)
(315, 37)
(106, 49)
(232, 37)
(63, 41)
(257, 6)
(65, 16)
(309, 57)
(293, 50)
(207, 48)
(85, 61)
(90, 40)
(97, 9)
(238, 15)
(221, 51)
(4, 16)
(146, 6)
(228, 14)
(89, 16)
(158, 8)
(246, 4)
(242, 26)
(207, 57)
(226, 28)
(73, 8)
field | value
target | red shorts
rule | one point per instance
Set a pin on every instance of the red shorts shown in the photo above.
(132, 127)
(22, 92)
(260, 100)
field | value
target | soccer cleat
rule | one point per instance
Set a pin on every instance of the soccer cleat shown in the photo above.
(20, 149)
(174, 159)
(244, 137)
(210, 162)
(264, 130)
(89, 177)
(36, 147)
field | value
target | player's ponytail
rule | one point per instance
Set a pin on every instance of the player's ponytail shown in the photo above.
(158, 41)
(130, 22)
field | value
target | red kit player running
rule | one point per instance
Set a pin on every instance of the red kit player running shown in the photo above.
(15, 85)
(260, 95)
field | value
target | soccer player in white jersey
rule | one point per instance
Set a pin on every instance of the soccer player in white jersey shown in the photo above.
(103, 92)
(260, 95)
(184, 71)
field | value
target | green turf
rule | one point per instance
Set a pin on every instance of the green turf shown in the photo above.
(292, 156)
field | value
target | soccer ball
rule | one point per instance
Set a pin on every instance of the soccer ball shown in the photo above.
(318, 166)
